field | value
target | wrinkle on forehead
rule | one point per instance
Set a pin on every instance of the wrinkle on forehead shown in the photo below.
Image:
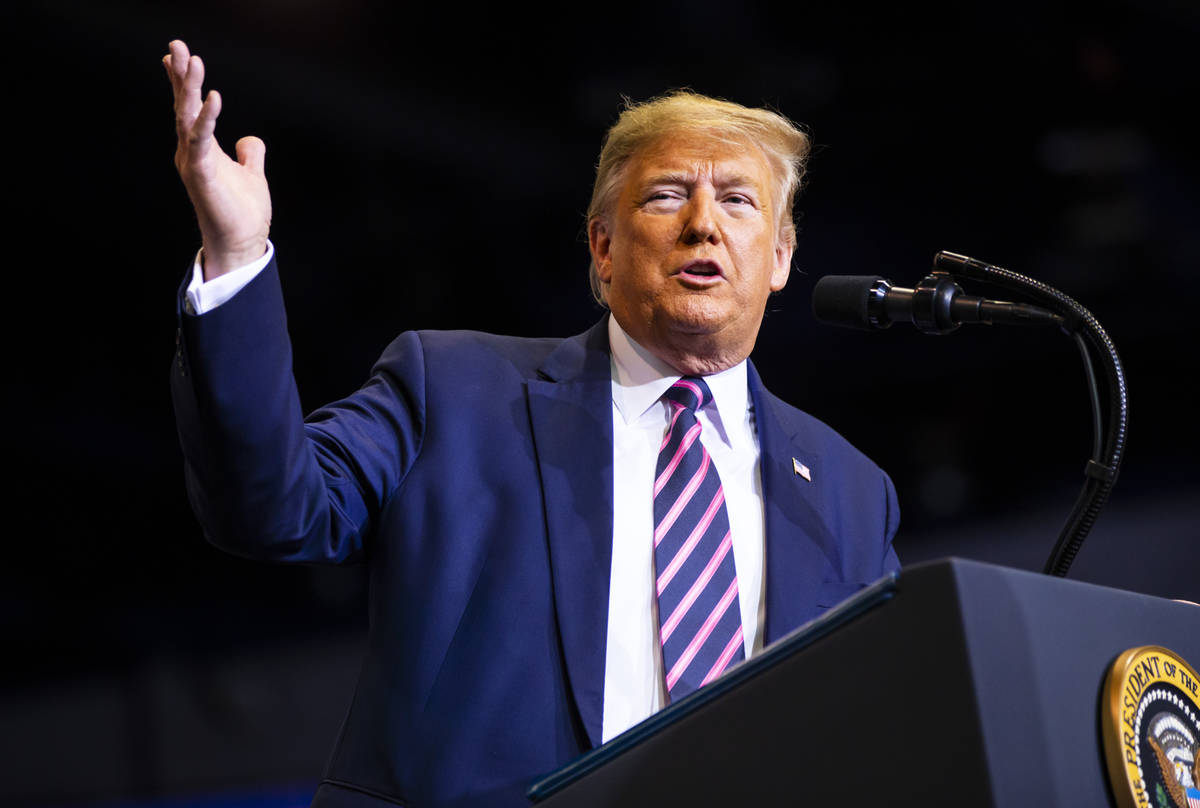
(697, 148)
(709, 171)
(688, 159)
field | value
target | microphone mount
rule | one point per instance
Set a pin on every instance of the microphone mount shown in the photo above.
(937, 305)
(933, 302)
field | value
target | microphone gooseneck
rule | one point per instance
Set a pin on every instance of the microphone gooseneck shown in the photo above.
(937, 305)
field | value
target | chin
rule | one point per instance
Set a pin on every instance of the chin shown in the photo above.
(697, 315)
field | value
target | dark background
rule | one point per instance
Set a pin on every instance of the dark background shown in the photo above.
(430, 168)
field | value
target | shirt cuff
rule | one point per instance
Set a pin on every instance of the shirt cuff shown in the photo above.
(204, 296)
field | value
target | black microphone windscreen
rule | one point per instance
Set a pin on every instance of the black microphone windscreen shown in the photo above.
(841, 300)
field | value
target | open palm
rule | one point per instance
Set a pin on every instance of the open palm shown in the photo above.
(231, 198)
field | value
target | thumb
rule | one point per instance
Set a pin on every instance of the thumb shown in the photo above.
(252, 153)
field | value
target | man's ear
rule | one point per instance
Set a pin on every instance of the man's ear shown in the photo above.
(600, 245)
(782, 268)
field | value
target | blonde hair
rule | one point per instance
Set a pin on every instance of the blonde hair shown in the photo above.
(782, 142)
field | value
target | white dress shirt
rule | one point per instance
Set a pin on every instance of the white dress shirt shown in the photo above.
(634, 685)
(204, 296)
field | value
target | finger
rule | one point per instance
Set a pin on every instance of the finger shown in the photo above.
(201, 133)
(166, 63)
(192, 79)
(169, 64)
(181, 125)
(188, 100)
(195, 73)
(252, 153)
(180, 56)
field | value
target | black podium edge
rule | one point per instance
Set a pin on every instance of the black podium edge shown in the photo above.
(845, 612)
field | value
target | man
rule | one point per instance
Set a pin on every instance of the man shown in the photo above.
(563, 535)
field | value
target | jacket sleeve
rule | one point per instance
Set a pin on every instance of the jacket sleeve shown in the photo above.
(264, 483)
(891, 562)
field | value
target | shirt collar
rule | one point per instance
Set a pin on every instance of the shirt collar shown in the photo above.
(640, 378)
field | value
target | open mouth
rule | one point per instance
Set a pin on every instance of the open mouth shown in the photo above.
(700, 269)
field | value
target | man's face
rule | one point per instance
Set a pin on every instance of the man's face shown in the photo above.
(690, 250)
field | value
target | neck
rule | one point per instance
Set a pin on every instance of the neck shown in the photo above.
(688, 355)
(691, 362)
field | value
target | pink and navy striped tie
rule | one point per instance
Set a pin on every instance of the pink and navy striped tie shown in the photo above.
(699, 618)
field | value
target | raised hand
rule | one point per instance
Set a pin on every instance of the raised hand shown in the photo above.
(232, 201)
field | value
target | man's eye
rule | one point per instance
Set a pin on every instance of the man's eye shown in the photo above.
(739, 199)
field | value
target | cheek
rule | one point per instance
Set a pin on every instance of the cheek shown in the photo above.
(635, 278)
(643, 258)
(757, 251)
(632, 245)
(756, 261)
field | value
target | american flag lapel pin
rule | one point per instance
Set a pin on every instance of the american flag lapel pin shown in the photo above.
(801, 469)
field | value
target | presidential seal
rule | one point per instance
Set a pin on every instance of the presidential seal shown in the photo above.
(1150, 717)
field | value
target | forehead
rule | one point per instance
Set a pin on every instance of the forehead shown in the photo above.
(699, 156)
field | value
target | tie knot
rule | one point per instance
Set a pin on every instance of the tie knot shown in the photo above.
(690, 391)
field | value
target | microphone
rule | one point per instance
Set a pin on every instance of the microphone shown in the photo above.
(936, 306)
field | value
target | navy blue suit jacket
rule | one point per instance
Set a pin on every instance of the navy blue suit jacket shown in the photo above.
(474, 473)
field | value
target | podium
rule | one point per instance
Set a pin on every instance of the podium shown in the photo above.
(952, 682)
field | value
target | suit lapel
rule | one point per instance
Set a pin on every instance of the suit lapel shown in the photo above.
(571, 415)
(798, 540)
(570, 410)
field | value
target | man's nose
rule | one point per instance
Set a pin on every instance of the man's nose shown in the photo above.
(700, 224)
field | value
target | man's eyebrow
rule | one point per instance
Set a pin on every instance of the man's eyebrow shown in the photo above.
(668, 178)
(737, 181)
